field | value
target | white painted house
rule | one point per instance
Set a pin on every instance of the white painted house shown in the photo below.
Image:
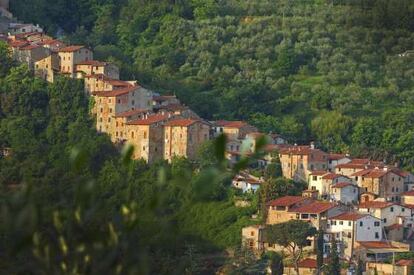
(335, 159)
(388, 212)
(247, 182)
(322, 181)
(344, 192)
(349, 228)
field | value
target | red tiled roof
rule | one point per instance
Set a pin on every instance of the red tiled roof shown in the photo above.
(333, 156)
(92, 63)
(115, 93)
(373, 173)
(131, 113)
(182, 122)
(51, 42)
(395, 226)
(348, 216)
(308, 263)
(332, 176)
(376, 204)
(18, 43)
(408, 193)
(351, 165)
(29, 47)
(404, 262)
(231, 124)
(286, 201)
(341, 184)
(360, 161)
(319, 173)
(376, 245)
(411, 206)
(173, 107)
(73, 48)
(149, 120)
(302, 150)
(315, 207)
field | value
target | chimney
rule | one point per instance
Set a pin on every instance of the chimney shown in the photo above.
(312, 145)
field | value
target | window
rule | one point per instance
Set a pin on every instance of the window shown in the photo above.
(392, 189)
(101, 110)
(132, 134)
(349, 223)
(109, 119)
(356, 178)
(402, 209)
(143, 148)
(385, 220)
(376, 235)
(145, 134)
(392, 209)
(119, 101)
(314, 177)
(361, 224)
(252, 233)
(341, 222)
(376, 224)
(133, 102)
(110, 110)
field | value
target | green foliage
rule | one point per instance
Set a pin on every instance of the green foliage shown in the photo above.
(293, 235)
(319, 251)
(275, 262)
(326, 71)
(334, 266)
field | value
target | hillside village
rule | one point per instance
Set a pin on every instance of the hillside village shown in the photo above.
(367, 206)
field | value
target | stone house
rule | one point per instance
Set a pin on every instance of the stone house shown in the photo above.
(110, 103)
(232, 129)
(121, 119)
(323, 180)
(335, 159)
(146, 135)
(47, 68)
(30, 54)
(17, 28)
(384, 182)
(92, 67)
(252, 237)
(183, 137)
(299, 161)
(71, 56)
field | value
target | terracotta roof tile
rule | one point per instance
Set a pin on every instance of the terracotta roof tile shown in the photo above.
(308, 263)
(286, 201)
(132, 112)
(315, 207)
(182, 122)
(29, 47)
(376, 245)
(73, 48)
(332, 176)
(408, 193)
(319, 173)
(231, 124)
(115, 93)
(349, 216)
(395, 226)
(376, 204)
(404, 262)
(342, 184)
(333, 156)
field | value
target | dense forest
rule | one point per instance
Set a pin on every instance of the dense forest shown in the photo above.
(320, 70)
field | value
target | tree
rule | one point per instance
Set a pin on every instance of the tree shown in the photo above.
(319, 251)
(334, 266)
(292, 235)
(274, 188)
(274, 168)
(360, 267)
(275, 261)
